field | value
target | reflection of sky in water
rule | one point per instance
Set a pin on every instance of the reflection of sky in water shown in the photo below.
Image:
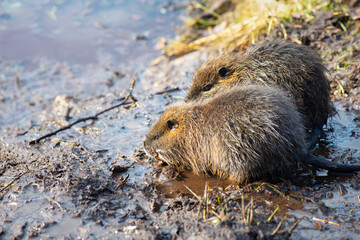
(342, 144)
(82, 31)
(346, 134)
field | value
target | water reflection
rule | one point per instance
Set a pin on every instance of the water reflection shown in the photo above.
(83, 31)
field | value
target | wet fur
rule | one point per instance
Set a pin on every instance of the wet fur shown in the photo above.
(243, 133)
(296, 68)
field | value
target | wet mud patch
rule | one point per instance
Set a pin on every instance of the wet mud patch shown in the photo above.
(60, 190)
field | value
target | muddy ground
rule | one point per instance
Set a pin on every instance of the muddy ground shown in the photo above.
(93, 181)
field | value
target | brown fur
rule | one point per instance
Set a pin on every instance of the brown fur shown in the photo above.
(243, 133)
(294, 67)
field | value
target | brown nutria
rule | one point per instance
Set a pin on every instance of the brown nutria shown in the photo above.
(243, 133)
(296, 68)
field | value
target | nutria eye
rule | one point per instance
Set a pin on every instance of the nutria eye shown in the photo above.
(207, 87)
(223, 72)
(172, 124)
(156, 137)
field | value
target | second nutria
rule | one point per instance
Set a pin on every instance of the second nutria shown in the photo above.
(243, 133)
(295, 68)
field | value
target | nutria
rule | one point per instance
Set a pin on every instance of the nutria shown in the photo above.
(294, 67)
(243, 133)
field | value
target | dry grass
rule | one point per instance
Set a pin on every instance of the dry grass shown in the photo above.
(241, 25)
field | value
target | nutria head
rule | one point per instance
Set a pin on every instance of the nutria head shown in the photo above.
(164, 140)
(211, 76)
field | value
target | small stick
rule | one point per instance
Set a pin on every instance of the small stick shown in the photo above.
(131, 158)
(341, 88)
(92, 160)
(219, 217)
(168, 90)
(84, 119)
(58, 204)
(200, 202)
(206, 210)
(156, 61)
(294, 226)
(243, 206)
(295, 40)
(122, 182)
(259, 186)
(83, 162)
(251, 210)
(12, 181)
(275, 189)
(284, 31)
(273, 214)
(325, 221)
(199, 212)
(193, 193)
(216, 214)
(278, 227)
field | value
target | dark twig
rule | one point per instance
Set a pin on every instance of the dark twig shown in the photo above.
(93, 117)
(168, 90)
(11, 182)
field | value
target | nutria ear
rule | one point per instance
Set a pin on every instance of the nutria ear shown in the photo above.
(172, 124)
(223, 72)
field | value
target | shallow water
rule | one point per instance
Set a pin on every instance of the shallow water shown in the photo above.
(83, 31)
(53, 48)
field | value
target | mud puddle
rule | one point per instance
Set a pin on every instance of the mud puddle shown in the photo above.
(191, 184)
